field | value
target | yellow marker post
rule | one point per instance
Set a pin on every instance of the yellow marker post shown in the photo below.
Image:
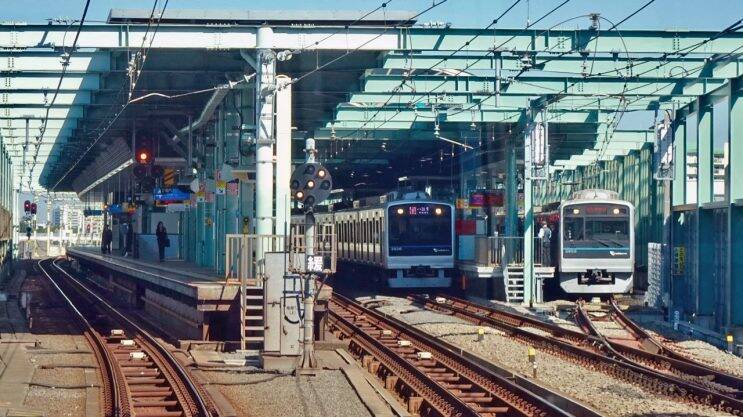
(532, 353)
(729, 339)
(480, 334)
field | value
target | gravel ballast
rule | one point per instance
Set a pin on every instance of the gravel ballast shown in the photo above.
(328, 394)
(693, 348)
(607, 395)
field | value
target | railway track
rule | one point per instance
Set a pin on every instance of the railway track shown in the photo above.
(435, 378)
(656, 373)
(140, 377)
(638, 346)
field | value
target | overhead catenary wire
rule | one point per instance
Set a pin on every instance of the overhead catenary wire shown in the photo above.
(681, 52)
(65, 65)
(433, 5)
(135, 73)
(144, 55)
(410, 74)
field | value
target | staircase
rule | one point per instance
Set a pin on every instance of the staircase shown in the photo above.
(252, 319)
(513, 276)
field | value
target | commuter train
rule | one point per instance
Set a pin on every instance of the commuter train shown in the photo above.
(596, 243)
(405, 243)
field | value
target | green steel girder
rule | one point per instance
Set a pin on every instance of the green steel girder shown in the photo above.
(404, 118)
(538, 85)
(619, 42)
(690, 66)
(518, 101)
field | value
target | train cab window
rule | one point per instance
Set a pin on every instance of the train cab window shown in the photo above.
(419, 230)
(594, 234)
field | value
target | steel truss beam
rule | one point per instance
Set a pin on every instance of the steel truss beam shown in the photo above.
(111, 36)
(690, 66)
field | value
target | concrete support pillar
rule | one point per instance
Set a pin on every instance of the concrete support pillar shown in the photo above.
(705, 161)
(232, 152)
(283, 153)
(264, 107)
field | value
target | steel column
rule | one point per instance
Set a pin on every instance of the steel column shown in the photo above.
(264, 107)
(283, 153)
(734, 308)
(529, 289)
(512, 209)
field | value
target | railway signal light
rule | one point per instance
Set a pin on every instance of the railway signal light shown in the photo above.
(27, 206)
(310, 184)
(143, 151)
(33, 208)
(143, 156)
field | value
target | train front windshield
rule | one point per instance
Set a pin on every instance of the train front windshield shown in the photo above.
(596, 231)
(420, 230)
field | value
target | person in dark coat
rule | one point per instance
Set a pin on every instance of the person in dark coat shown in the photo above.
(106, 239)
(162, 239)
(129, 239)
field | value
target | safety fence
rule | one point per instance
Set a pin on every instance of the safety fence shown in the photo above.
(506, 250)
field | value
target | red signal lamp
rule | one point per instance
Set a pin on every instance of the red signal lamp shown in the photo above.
(143, 157)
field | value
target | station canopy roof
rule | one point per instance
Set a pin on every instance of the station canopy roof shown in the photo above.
(377, 92)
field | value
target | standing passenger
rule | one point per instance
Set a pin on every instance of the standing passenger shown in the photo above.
(106, 239)
(128, 238)
(162, 239)
(545, 234)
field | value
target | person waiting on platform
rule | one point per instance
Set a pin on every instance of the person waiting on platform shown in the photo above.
(162, 240)
(128, 239)
(545, 235)
(106, 238)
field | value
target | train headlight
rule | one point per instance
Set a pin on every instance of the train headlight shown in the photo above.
(615, 211)
(438, 211)
(400, 211)
(576, 211)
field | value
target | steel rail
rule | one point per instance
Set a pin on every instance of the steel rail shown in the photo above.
(368, 330)
(586, 350)
(688, 370)
(115, 398)
(653, 345)
(180, 380)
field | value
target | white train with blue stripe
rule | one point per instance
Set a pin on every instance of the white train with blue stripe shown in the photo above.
(597, 243)
(405, 241)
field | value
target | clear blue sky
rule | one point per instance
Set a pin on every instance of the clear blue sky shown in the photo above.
(663, 14)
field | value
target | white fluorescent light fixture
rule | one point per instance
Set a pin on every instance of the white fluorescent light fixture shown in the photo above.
(113, 172)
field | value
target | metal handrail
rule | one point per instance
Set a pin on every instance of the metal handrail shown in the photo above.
(500, 251)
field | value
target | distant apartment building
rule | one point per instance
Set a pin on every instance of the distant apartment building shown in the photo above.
(68, 216)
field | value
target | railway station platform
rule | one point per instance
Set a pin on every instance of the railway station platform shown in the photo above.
(190, 302)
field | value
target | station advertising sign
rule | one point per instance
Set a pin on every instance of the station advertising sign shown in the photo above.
(477, 199)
